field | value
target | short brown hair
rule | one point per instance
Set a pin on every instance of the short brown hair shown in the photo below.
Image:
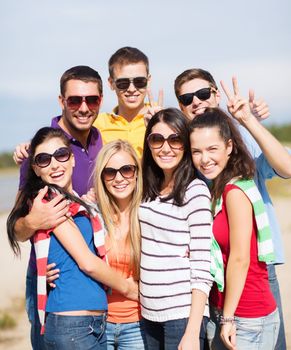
(190, 74)
(83, 73)
(127, 55)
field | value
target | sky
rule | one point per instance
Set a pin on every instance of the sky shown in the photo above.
(250, 39)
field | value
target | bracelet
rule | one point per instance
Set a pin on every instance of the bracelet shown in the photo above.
(224, 320)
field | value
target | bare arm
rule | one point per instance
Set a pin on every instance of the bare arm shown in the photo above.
(43, 215)
(240, 230)
(190, 339)
(72, 240)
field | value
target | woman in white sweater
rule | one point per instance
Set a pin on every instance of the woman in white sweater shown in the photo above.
(175, 222)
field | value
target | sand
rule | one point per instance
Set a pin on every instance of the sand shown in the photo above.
(13, 272)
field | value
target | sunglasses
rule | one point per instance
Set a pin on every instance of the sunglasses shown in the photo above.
(43, 160)
(156, 141)
(75, 102)
(124, 83)
(203, 95)
(126, 171)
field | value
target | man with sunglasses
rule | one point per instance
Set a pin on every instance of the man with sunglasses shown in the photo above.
(196, 90)
(129, 77)
(80, 98)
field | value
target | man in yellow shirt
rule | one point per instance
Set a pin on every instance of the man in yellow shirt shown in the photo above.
(129, 78)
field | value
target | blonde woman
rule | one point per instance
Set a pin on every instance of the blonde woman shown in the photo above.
(118, 187)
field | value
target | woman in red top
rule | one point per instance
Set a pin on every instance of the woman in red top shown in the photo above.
(245, 314)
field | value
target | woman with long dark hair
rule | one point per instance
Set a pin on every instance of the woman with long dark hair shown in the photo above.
(175, 219)
(243, 316)
(75, 310)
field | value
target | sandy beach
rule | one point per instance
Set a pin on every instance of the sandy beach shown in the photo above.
(13, 272)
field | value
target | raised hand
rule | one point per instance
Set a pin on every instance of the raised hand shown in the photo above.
(154, 107)
(21, 152)
(238, 107)
(259, 108)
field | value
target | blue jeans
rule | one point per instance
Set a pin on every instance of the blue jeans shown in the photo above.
(36, 338)
(167, 335)
(259, 333)
(273, 281)
(125, 336)
(75, 332)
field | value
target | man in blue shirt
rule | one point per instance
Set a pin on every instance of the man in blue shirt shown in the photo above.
(196, 90)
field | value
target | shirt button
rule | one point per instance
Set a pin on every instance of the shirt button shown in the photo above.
(73, 140)
(83, 150)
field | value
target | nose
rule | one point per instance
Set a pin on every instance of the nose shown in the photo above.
(196, 101)
(131, 87)
(204, 158)
(166, 147)
(54, 163)
(83, 108)
(119, 177)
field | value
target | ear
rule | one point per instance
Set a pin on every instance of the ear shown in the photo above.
(218, 97)
(111, 83)
(73, 160)
(36, 170)
(229, 147)
(61, 102)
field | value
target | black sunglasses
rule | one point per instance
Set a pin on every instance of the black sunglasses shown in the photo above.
(126, 171)
(156, 141)
(138, 82)
(75, 102)
(43, 160)
(203, 95)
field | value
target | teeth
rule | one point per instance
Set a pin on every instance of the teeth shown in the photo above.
(60, 173)
(119, 187)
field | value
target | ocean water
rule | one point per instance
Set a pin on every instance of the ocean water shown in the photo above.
(8, 190)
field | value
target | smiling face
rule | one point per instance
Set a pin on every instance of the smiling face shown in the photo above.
(131, 98)
(121, 188)
(210, 153)
(80, 120)
(166, 158)
(58, 173)
(198, 106)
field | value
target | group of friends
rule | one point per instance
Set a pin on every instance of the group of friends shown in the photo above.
(151, 227)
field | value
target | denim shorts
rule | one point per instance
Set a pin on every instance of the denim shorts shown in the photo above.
(75, 332)
(125, 336)
(259, 333)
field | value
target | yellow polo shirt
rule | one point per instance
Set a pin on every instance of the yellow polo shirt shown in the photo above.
(113, 127)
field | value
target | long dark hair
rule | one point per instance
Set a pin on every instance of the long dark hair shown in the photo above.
(33, 184)
(153, 175)
(240, 162)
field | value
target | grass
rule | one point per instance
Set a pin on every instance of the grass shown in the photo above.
(7, 321)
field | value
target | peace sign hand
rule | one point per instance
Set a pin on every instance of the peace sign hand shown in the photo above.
(238, 107)
(153, 106)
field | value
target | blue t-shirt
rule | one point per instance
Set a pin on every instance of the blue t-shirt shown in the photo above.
(74, 289)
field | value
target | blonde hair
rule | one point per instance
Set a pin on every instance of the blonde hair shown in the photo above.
(108, 206)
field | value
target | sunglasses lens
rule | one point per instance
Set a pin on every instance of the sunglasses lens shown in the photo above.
(127, 171)
(108, 174)
(62, 154)
(186, 99)
(92, 102)
(140, 82)
(156, 140)
(42, 159)
(122, 84)
(74, 102)
(203, 94)
(175, 141)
